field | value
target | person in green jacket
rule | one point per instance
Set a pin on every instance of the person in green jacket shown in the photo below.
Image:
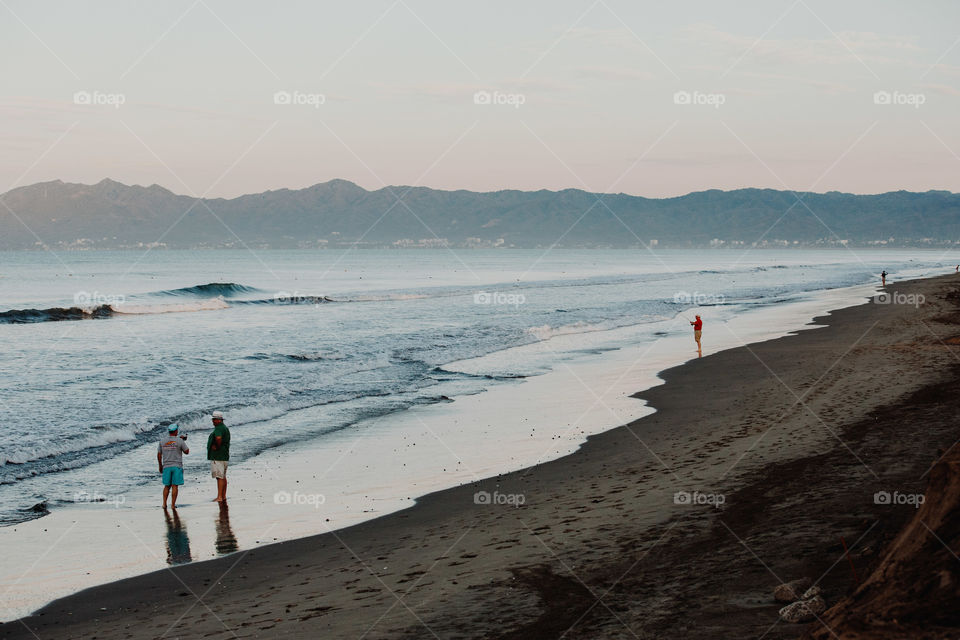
(218, 453)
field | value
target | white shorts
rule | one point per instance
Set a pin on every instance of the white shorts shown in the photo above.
(218, 469)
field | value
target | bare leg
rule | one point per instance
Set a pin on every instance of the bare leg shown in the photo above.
(221, 490)
(166, 492)
(173, 501)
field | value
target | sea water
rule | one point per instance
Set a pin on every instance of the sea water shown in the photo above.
(358, 380)
(102, 349)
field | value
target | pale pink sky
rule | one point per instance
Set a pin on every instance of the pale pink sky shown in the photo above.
(654, 99)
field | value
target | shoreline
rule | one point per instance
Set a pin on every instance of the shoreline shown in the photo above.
(584, 487)
(506, 428)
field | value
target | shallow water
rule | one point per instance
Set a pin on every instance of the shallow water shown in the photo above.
(171, 336)
(377, 390)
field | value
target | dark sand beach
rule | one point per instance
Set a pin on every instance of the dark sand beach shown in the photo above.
(792, 436)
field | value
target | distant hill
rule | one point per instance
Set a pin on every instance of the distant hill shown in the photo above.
(339, 213)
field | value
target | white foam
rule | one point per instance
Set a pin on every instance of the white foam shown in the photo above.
(211, 304)
(91, 439)
(546, 332)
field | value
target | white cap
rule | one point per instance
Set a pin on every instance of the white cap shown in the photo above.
(218, 414)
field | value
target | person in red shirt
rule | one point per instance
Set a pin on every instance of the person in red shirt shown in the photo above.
(697, 332)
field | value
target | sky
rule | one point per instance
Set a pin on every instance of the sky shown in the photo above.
(221, 98)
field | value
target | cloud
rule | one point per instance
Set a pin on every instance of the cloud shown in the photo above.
(942, 89)
(459, 91)
(202, 113)
(769, 78)
(38, 109)
(948, 69)
(615, 38)
(869, 41)
(613, 73)
(844, 48)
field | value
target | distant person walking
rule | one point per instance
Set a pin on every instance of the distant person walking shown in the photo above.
(883, 278)
(170, 452)
(697, 332)
(218, 453)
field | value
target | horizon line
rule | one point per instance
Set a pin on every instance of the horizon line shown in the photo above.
(411, 187)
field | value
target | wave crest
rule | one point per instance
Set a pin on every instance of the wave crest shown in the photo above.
(214, 289)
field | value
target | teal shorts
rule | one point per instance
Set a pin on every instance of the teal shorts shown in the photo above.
(172, 476)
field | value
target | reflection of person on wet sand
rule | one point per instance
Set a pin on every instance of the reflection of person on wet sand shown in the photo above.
(178, 544)
(697, 332)
(226, 541)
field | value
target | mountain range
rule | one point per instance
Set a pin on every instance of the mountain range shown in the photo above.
(111, 215)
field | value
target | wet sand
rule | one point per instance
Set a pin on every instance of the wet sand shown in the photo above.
(793, 436)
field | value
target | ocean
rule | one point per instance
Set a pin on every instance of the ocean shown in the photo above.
(103, 349)
(353, 382)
